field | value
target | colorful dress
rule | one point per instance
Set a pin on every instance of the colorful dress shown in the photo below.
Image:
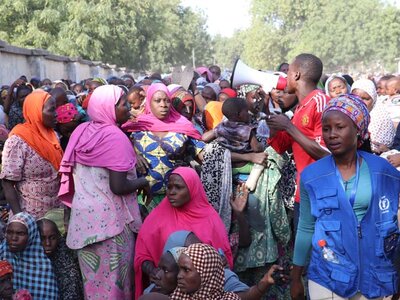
(37, 182)
(163, 155)
(102, 224)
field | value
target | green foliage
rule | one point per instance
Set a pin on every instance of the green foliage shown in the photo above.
(144, 35)
(359, 35)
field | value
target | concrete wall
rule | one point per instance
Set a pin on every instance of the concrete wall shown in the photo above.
(16, 61)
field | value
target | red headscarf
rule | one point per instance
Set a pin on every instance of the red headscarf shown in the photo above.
(174, 122)
(230, 92)
(39, 137)
(5, 268)
(197, 216)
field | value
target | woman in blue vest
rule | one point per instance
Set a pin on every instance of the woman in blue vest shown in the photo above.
(348, 213)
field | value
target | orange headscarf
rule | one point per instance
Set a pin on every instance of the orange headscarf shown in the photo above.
(41, 138)
(213, 114)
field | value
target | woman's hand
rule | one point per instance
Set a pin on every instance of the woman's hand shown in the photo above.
(296, 284)
(260, 158)
(239, 201)
(380, 147)
(142, 164)
(268, 278)
(146, 194)
(394, 160)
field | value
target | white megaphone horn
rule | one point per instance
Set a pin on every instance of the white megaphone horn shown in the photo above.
(243, 74)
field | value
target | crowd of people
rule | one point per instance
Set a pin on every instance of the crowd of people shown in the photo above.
(186, 187)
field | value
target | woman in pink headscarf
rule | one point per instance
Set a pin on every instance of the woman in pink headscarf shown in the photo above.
(162, 138)
(185, 207)
(98, 173)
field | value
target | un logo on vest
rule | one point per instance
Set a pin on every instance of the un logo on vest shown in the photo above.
(384, 203)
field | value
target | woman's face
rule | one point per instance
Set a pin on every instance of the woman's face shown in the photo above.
(189, 280)
(287, 101)
(364, 97)
(208, 94)
(22, 95)
(166, 275)
(49, 113)
(339, 133)
(275, 95)
(187, 110)
(222, 97)
(50, 238)
(122, 110)
(177, 191)
(6, 287)
(16, 237)
(160, 105)
(336, 87)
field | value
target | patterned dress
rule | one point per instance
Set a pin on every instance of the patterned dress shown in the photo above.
(37, 182)
(163, 155)
(102, 228)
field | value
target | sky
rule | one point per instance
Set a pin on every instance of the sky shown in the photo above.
(223, 16)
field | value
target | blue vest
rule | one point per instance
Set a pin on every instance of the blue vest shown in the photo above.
(365, 249)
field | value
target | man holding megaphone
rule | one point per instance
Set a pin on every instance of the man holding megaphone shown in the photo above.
(304, 132)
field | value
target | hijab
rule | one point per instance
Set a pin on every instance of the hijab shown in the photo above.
(174, 122)
(367, 86)
(99, 142)
(333, 76)
(353, 107)
(208, 264)
(197, 216)
(39, 137)
(32, 269)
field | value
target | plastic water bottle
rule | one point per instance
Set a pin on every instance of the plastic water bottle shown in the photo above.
(327, 253)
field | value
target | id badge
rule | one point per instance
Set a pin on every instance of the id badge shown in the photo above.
(390, 242)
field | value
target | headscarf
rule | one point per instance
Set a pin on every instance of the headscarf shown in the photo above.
(333, 76)
(353, 107)
(98, 143)
(213, 114)
(172, 88)
(32, 269)
(230, 92)
(62, 83)
(202, 70)
(174, 122)
(367, 86)
(208, 264)
(39, 137)
(197, 216)
(176, 252)
(99, 80)
(176, 239)
(215, 88)
(5, 268)
(66, 113)
(180, 97)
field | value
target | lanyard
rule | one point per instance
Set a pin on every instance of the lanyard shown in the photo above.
(355, 184)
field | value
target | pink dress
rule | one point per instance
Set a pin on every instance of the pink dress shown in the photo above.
(102, 227)
(37, 182)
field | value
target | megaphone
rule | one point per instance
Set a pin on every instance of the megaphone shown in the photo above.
(243, 74)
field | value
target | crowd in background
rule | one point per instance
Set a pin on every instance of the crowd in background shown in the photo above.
(122, 189)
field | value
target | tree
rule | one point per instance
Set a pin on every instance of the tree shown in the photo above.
(145, 35)
(347, 35)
